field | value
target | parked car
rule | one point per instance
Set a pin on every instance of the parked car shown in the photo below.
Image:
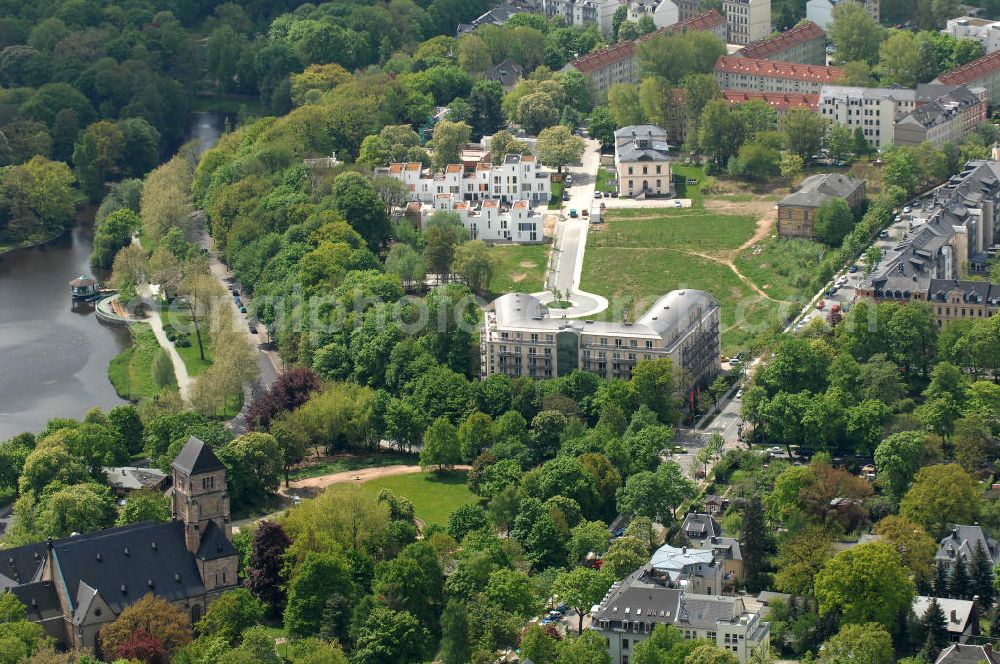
(677, 204)
(243, 310)
(884, 234)
(614, 194)
(252, 328)
(821, 304)
(238, 301)
(831, 292)
(562, 608)
(739, 393)
(618, 532)
(586, 213)
(569, 178)
(854, 268)
(598, 194)
(776, 451)
(572, 213)
(565, 196)
(906, 210)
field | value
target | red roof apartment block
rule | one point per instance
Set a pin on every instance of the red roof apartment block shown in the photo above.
(765, 50)
(703, 22)
(604, 57)
(984, 72)
(755, 75)
(779, 101)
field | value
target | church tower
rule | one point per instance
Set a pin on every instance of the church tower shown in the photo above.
(200, 499)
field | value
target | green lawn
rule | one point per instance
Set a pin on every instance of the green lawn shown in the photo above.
(635, 278)
(520, 267)
(555, 199)
(684, 190)
(348, 462)
(644, 254)
(782, 268)
(605, 180)
(694, 229)
(435, 496)
(131, 372)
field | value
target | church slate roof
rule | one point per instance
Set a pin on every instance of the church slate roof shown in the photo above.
(40, 599)
(124, 564)
(196, 457)
(21, 565)
(214, 544)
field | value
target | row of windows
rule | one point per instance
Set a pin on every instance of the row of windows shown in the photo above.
(645, 170)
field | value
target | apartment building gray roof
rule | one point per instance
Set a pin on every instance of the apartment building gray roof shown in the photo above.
(644, 150)
(894, 93)
(668, 319)
(816, 189)
(707, 611)
(639, 597)
(973, 292)
(702, 525)
(961, 543)
(963, 653)
(631, 133)
(673, 561)
(942, 109)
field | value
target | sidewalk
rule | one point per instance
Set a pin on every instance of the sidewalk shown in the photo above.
(156, 323)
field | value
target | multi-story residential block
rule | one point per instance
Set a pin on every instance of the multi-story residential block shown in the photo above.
(872, 109)
(489, 221)
(948, 240)
(931, 112)
(520, 338)
(797, 211)
(781, 102)
(606, 67)
(617, 63)
(804, 44)
(663, 12)
(642, 161)
(820, 12)
(688, 9)
(747, 21)
(946, 119)
(581, 12)
(983, 72)
(982, 30)
(735, 73)
(634, 606)
(519, 177)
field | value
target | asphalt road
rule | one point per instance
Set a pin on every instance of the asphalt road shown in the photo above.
(570, 240)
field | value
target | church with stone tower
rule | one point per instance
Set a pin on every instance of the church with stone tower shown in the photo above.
(74, 586)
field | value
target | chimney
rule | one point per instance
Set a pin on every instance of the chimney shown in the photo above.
(954, 533)
(684, 550)
(987, 648)
(954, 616)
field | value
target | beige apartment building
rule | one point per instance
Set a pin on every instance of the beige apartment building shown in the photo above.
(747, 21)
(519, 337)
(642, 161)
(754, 75)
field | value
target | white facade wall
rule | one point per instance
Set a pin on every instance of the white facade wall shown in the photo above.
(520, 178)
(869, 108)
(664, 12)
(490, 223)
(985, 32)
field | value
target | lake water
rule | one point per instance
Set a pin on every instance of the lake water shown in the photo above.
(54, 354)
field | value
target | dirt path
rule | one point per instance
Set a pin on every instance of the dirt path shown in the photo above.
(765, 223)
(361, 475)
